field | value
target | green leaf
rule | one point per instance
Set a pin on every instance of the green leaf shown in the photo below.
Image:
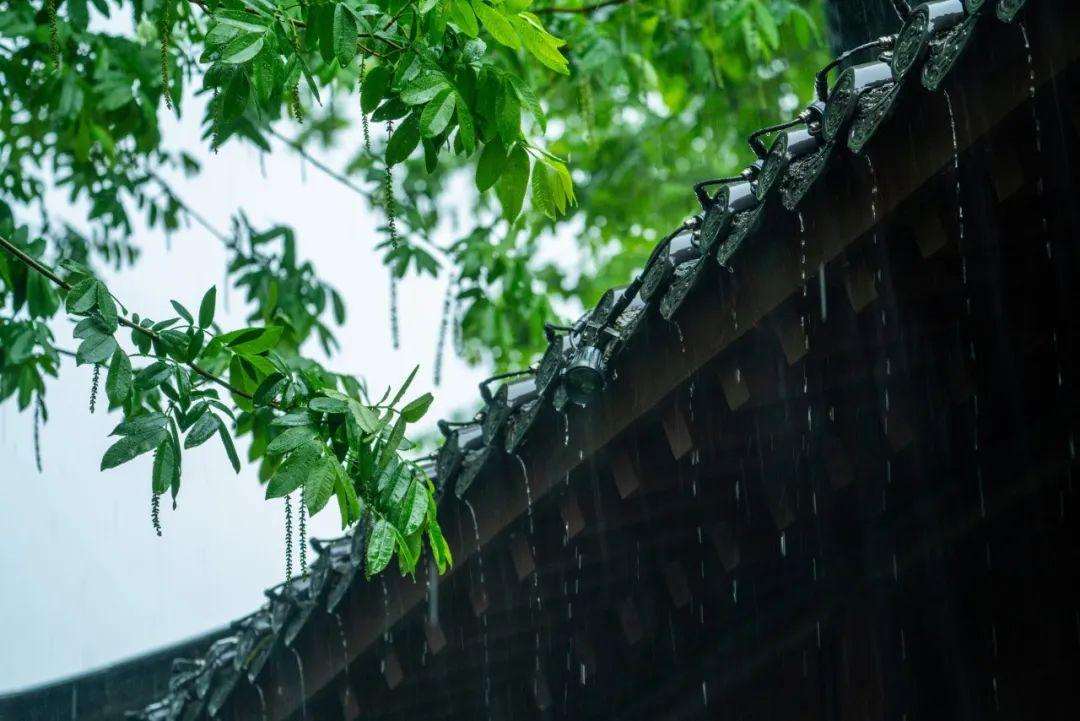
(294, 470)
(491, 164)
(82, 297)
(119, 380)
(242, 49)
(129, 447)
(380, 546)
(529, 100)
(424, 88)
(320, 484)
(348, 503)
(139, 425)
(205, 427)
(508, 114)
(207, 307)
(252, 341)
(414, 509)
(497, 24)
(436, 115)
(405, 386)
(462, 15)
(328, 405)
(404, 140)
(95, 349)
(240, 20)
(152, 375)
(269, 389)
(227, 442)
(417, 408)
(466, 130)
(290, 439)
(542, 197)
(376, 83)
(107, 307)
(543, 46)
(344, 35)
(182, 312)
(165, 466)
(515, 178)
(393, 442)
(440, 549)
(296, 418)
(234, 98)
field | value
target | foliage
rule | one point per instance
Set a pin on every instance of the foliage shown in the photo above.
(585, 120)
(311, 429)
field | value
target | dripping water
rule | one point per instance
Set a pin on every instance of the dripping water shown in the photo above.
(344, 650)
(528, 491)
(566, 425)
(303, 690)
(262, 699)
(1040, 186)
(682, 338)
(483, 590)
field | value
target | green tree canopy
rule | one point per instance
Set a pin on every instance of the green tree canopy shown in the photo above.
(586, 120)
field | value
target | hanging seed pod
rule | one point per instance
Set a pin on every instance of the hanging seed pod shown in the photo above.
(440, 345)
(94, 387)
(395, 337)
(588, 110)
(294, 104)
(288, 540)
(303, 533)
(54, 34)
(155, 512)
(363, 115)
(391, 206)
(37, 434)
(165, 37)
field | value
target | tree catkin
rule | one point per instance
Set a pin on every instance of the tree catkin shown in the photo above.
(303, 533)
(155, 512)
(294, 104)
(165, 37)
(391, 226)
(94, 387)
(440, 345)
(37, 434)
(54, 34)
(288, 540)
(363, 115)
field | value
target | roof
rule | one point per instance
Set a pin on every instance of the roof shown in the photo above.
(707, 285)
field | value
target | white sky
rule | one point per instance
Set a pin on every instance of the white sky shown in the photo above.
(83, 580)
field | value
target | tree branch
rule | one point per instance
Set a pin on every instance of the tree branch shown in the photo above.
(438, 253)
(583, 10)
(38, 267)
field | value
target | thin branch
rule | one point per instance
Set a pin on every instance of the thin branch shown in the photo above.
(583, 10)
(398, 14)
(439, 253)
(317, 163)
(35, 265)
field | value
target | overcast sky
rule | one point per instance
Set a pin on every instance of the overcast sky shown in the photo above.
(83, 580)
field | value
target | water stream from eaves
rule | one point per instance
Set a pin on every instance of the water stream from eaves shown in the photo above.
(975, 449)
(483, 604)
(344, 652)
(262, 699)
(539, 608)
(303, 688)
